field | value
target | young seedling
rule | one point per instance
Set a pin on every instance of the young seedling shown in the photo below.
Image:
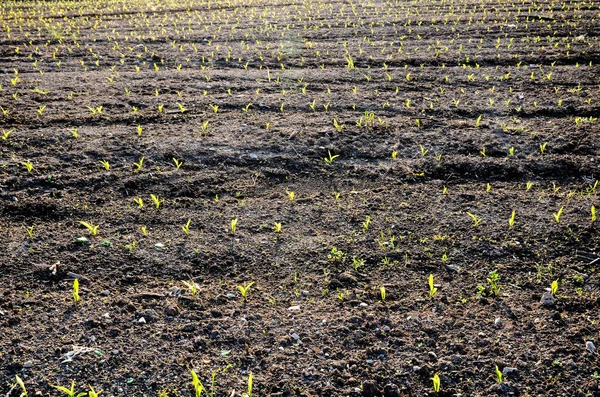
(234, 223)
(93, 393)
(21, 384)
(30, 231)
(74, 132)
(476, 220)
(139, 165)
(191, 286)
(91, 227)
(554, 287)
(511, 220)
(432, 289)
(558, 214)
(182, 109)
(244, 290)
(339, 127)
(277, 227)
(357, 263)
(76, 290)
(423, 150)
(329, 160)
(291, 195)
(478, 121)
(186, 227)
(28, 165)
(249, 393)
(382, 293)
(139, 130)
(198, 387)
(105, 164)
(499, 376)
(156, 200)
(543, 147)
(493, 280)
(139, 202)
(593, 209)
(436, 383)
(70, 392)
(5, 134)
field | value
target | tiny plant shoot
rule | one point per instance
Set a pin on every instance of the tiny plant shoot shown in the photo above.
(382, 293)
(198, 387)
(76, 290)
(436, 383)
(499, 376)
(244, 290)
(432, 289)
(554, 287)
(234, 223)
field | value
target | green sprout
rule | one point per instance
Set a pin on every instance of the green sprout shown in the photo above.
(191, 286)
(156, 200)
(511, 220)
(554, 287)
(177, 163)
(432, 289)
(476, 219)
(28, 165)
(76, 290)
(234, 223)
(499, 376)
(244, 290)
(436, 383)
(593, 209)
(21, 385)
(92, 392)
(329, 160)
(277, 227)
(382, 293)
(198, 387)
(105, 164)
(91, 227)
(558, 214)
(139, 202)
(493, 280)
(70, 392)
(186, 227)
(139, 165)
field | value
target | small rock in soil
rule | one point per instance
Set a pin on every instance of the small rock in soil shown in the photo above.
(27, 364)
(452, 268)
(510, 372)
(391, 390)
(171, 311)
(231, 296)
(498, 322)
(105, 293)
(369, 389)
(142, 320)
(294, 308)
(547, 299)
(589, 345)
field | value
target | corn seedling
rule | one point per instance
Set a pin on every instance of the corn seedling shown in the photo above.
(28, 165)
(74, 132)
(105, 164)
(528, 186)
(511, 220)
(558, 214)
(93, 393)
(291, 195)
(249, 392)
(186, 227)
(554, 287)
(91, 227)
(198, 387)
(394, 154)
(382, 293)
(476, 219)
(156, 200)
(191, 286)
(330, 158)
(131, 246)
(357, 263)
(432, 288)
(70, 392)
(543, 147)
(277, 227)
(139, 165)
(5, 134)
(339, 127)
(423, 150)
(593, 210)
(21, 384)
(244, 290)
(478, 121)
(215, 108)
(182, 109)
(177, 163)
(493, 280)
(139, 129)
(76, 290)
(436, 383)
(139, 202)
(499, 376)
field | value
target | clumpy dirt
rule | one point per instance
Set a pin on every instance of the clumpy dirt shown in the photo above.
(453, 118)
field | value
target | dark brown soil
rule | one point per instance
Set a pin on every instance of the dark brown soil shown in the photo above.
(448, 87)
